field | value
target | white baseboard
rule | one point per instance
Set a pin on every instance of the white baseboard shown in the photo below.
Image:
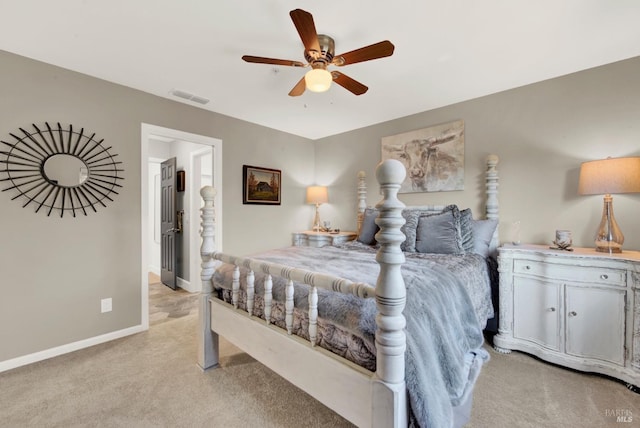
(65, 349)
(182, 283)
(186, 285)
(154, 269)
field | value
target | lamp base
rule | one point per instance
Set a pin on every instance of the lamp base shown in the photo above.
(609, 237)
(316, 221)
(611, 249)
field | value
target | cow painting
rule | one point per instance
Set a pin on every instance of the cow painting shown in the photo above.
(433, 157)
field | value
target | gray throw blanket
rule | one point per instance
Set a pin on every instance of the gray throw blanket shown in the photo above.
(448, 303)
(437, 343)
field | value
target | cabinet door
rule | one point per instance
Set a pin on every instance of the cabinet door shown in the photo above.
(536, 311)
(595, 323)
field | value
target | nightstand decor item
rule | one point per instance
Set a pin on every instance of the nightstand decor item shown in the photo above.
(515, 232)
(604, 177)
(317, 195)
(563, 240)
(60, 169)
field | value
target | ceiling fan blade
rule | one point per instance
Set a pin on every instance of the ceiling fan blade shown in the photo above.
(307, 31)
(299, 88)
(348, 83)
(262, 60)
(367, 53)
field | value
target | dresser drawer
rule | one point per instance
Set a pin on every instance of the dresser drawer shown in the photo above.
(595, 275)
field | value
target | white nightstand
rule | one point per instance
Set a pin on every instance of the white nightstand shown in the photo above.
(309, 238)
(579, 309)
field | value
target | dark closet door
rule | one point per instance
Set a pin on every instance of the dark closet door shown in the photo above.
(168, 222)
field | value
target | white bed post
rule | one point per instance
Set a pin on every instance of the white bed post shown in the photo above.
(362, 198)
(493, 208)
(389, 389)
(207, 339)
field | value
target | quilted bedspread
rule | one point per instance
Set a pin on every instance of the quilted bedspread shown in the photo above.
(448, 303)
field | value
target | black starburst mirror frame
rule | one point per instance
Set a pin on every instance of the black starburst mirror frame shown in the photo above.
(24, 170)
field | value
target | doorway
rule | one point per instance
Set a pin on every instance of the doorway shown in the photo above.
(202, 162)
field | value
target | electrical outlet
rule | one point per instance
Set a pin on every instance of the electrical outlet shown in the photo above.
(106, 305)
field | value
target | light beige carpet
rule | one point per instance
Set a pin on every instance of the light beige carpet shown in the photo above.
(151, 380)
(517, 390)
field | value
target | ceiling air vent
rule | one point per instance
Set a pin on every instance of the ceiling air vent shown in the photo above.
(188, 96)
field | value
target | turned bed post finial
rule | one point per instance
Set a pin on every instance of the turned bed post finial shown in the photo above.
(492, 186)
(493, 208)
(391, 295)
(390, 288)
(207, 339)
(208, 223)
(362, 198)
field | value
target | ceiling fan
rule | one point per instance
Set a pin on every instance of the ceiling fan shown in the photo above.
(320, 53)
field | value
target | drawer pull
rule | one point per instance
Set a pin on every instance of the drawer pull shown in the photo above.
(551, 309)
(604, 276)
(527, 267)
(573, 314)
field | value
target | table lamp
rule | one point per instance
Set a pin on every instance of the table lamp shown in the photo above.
(604, 177)
(317, 195)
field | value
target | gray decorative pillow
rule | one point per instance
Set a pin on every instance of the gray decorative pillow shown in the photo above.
(369, 227)
(440, 233)
(482, 235)
(466, 231)
(409, 229)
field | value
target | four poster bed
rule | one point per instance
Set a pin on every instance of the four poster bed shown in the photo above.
(385, 330)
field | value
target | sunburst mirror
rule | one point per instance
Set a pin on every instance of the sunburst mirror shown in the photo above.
(60, 170)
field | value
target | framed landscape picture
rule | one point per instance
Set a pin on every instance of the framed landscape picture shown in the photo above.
(261, 185)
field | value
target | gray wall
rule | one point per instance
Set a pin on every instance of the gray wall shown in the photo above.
(55, 271)
(541, 132)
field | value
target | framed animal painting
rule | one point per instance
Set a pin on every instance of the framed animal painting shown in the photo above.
(261, 185)
(433, 157)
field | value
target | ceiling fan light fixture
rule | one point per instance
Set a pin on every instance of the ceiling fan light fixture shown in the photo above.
(319, 51)
(318, 80)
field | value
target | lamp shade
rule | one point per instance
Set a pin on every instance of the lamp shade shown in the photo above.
(318, 80)
(611, 175)
(317, 195)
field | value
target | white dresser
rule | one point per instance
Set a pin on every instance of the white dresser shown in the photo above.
(579, 309)
(309, 238)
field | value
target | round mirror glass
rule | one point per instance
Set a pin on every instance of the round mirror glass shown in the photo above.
(65, 170)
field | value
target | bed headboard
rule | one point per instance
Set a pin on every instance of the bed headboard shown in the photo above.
(490, 201)
(492, 208)
(362, 198)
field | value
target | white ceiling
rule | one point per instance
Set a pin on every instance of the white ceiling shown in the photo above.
(446, 51)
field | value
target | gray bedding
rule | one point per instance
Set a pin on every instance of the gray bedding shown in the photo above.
(448, 303)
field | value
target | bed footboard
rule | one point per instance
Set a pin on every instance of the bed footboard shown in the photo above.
(382, 395)
(314, 280)
(388, 387)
